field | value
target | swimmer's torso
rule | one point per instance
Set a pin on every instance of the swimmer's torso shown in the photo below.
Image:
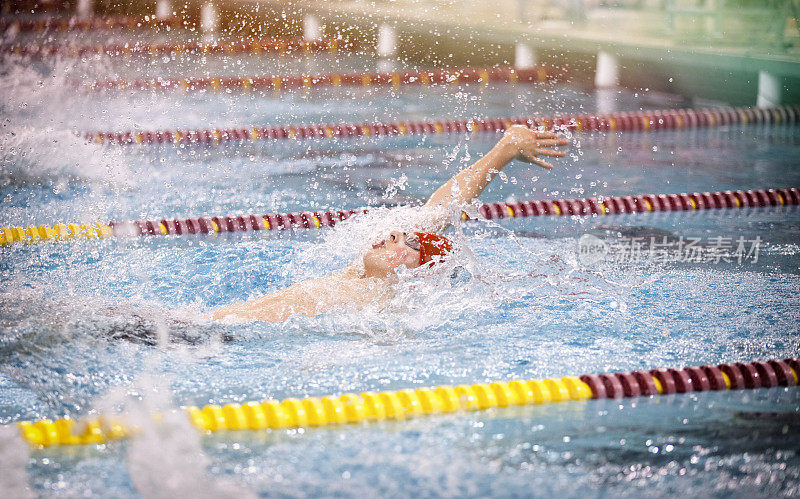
(310, 298)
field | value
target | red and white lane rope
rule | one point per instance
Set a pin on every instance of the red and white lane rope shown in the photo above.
(664, 119)
(597, 206)
(224, 47)
(282, 82)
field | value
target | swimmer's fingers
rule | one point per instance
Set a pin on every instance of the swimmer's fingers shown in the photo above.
(553, 142)
(527, 157)
(546, 135)
(542, 163)
(533, 160)
(550, 152)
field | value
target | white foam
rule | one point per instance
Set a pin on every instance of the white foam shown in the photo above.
(38, 140)
(165, 458)
(14, 455)
(37, 154)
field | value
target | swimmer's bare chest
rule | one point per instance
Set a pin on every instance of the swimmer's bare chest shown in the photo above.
(310, 298)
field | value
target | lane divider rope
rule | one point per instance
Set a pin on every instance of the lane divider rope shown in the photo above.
(281, 82)
(243, 46)
(645, 121)
(88, 24)
(400, 405)
(597, 206)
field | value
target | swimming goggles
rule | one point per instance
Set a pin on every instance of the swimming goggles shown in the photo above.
(412, 241)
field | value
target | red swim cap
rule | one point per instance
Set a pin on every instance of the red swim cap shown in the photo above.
(432, 245)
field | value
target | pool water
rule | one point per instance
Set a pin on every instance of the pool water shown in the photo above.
(115, 325)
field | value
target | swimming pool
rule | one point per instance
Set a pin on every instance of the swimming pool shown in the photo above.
(62, 301)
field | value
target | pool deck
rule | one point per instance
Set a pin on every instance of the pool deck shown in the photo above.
(638, 37)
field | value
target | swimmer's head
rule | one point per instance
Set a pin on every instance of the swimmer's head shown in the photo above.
(410, 250)
(432, 247)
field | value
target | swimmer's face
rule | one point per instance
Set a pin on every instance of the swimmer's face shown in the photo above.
(396, 250)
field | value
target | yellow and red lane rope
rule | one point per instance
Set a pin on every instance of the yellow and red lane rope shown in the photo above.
(87, 24)
(593, 206)
(225, 47)
(351, 408)
(650, 121)
(497, 74)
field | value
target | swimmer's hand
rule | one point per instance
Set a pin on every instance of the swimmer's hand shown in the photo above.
(518, 142)
(528, 145)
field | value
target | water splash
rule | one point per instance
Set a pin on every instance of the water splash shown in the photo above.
(65, 351)
(14, 454)
(165, 456)
(38, 142)
(36, 156)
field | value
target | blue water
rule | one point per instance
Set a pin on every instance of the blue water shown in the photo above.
(530, 310)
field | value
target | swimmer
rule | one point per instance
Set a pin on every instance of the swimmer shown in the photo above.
(370, 280)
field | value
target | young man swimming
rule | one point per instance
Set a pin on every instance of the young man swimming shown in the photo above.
(370, 280)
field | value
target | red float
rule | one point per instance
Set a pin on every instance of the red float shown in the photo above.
(700, 382)
(766, 374)
(153, 228)
(646, 384)
(734, 376)
(715, 378)
(666, 380)
(596, 385)
(627, 382)
(170, 226)
(683, 383)
(613, 387)
(783, 372)
(205, 224)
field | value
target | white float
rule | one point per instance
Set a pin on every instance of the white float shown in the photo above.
(312, 28)
(769, 90)
(525, 56)
(163, 9)
(85, 8)
(387, 41)
(607, 72)
(208, 18)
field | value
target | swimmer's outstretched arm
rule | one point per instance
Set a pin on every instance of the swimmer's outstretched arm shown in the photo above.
(518, 142)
